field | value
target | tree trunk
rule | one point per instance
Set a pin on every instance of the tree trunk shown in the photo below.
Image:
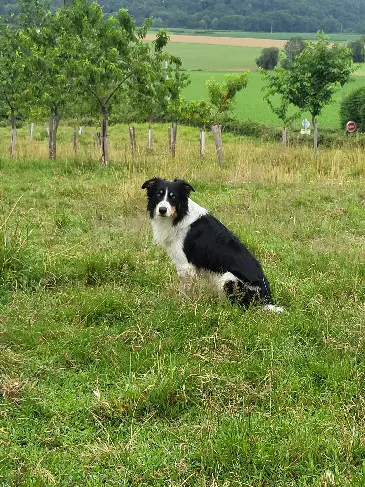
(13, 133)
(54, 121)
(104, 138)
(75, 140)
(31, 131)
(315, 135)
(173, 139)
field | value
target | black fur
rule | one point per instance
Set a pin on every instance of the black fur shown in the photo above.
(211, 246)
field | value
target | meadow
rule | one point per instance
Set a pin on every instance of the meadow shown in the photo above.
(205, 61)
(110, 377)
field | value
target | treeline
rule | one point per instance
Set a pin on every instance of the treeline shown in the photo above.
(244, 15)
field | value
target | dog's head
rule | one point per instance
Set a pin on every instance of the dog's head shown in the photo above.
(167, 199)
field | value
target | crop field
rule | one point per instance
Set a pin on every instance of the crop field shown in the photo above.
(110, 377)
(337, 37)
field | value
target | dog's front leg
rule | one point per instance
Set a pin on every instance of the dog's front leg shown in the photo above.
(187, 275)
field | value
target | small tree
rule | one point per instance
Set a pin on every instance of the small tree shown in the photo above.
(353, 108)
(221, 95)
(292, 48)
(357, 49)
(268, 58)
(12, 81)
(277, 86)
(315, 75)
(49, 89)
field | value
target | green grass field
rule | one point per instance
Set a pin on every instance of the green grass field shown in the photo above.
(109, 377)
(206, 57)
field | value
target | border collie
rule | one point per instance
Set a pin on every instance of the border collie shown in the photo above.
(198, 243)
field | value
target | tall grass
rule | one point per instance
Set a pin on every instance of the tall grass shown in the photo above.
(109, 377)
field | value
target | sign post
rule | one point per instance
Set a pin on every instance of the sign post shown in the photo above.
(351, 127)
(305, 130)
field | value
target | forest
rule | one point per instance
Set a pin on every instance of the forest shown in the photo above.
(242, 15)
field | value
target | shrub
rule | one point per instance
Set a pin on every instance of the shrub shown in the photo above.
(353, 108)
(269, 58)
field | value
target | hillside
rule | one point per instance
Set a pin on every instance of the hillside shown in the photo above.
(248, 15)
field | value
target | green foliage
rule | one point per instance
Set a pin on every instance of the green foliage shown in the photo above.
(316, 73)
(269, 58)
(222, 95)
(353, 108)
(357, 49)
(292, 48)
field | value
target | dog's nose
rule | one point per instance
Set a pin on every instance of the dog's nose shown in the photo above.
(162, 210)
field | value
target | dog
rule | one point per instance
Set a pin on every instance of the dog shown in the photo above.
(198, 243)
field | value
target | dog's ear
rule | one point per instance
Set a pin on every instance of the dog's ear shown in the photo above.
(186, 186)
(149, 184)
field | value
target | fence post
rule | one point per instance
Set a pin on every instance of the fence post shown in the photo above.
(217, 134)
(202, 142)
(149, 139)
(132, 138)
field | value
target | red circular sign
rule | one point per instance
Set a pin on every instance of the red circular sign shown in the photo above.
(351, 126)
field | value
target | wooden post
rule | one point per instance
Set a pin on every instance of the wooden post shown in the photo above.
(97, 140)
(75, 140)
(149, 140)
(173, 139)
(81, 130)
(132, 138)
(283, 138)
(31, 131)
(217, 134)
(202, 142)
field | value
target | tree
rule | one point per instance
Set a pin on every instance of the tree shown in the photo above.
(221, 95)
(277, 86)
(12, 81)
(315, 75)
(292, 48)
(49, 90)
(111, 59)
(268, 58)
(357, 49)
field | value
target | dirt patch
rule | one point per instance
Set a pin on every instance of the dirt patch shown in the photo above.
(224, 41)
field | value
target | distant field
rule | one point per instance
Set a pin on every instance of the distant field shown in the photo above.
(251, 106)
(215, 58)
(344, 37)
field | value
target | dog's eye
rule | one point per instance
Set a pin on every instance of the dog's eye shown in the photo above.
(172, 196)
(161, 192)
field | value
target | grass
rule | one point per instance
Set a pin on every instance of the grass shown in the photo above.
(206, 57)
(109, 377)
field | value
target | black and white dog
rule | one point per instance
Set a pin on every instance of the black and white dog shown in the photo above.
(198, 243)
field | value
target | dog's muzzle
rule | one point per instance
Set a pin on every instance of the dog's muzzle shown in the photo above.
(162, 210)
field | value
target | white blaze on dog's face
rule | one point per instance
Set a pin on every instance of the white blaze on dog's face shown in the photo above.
(167, 206)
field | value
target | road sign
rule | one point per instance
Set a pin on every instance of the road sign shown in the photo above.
(305, 124)
(351, 127)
